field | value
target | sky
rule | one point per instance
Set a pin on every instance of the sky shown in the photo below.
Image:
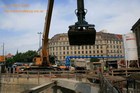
(21, 20)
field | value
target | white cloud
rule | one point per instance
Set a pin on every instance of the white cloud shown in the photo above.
(115, 16)
(26, 23)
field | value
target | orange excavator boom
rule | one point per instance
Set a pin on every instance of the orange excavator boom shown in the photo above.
(45, 50)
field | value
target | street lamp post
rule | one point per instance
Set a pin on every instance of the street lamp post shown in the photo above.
(3, 49)
(39, 33)
(2, 57)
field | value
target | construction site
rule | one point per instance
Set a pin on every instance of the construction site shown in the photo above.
(118, 73)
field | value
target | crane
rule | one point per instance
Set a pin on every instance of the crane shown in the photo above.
(81, 33)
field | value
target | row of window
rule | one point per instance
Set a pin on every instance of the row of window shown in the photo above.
(85, 47)
(64, 57)
(96, 42)
(87, 52)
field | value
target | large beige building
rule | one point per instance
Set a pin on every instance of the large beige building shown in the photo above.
(106, 44)
(136, 30)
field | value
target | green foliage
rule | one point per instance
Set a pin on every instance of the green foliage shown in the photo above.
(22, 57)
(72, 62)
(94, 60)
(25, 57)
(52, 59)
(9, 61)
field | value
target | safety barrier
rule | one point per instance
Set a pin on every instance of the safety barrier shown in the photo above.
(131, 90)
(45, 88)
(124, 71)
(106, 86)
(42, 81)
(18, 82)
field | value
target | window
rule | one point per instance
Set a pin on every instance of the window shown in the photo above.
(86, 47)
(60, 48)
(101, 42)
(89, 47)
(82, 47)
(78, 52)
(107, 51)
(90, 52)
(120, 42)
(78, 47)
(94, 46)
(101, 47)
(101, 51)
(75, 47)
(63, 48)
(97, 47)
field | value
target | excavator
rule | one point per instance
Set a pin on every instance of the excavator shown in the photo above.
(81, 33)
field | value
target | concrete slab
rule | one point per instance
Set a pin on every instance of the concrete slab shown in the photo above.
(77, 86)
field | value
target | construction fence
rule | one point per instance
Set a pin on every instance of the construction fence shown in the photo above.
(19, 82)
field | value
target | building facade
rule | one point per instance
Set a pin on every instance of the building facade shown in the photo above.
(130, 47)
(136, 30)
(106, 44)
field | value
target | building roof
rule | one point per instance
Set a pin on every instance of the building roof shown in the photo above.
(110, 36)
(136, 24)
(119, 36)
(57, 37)
(9, 55)
(104, 36)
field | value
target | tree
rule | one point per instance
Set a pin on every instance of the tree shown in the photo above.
(9, 62)
(25, 57)
(21, 57)
(72, 62)
(94, 60)
(52, 59)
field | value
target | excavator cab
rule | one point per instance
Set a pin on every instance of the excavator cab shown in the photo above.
(81, 33)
